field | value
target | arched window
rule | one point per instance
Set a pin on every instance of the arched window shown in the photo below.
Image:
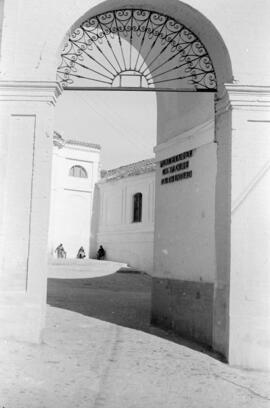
(137, 207)
(185, 64)
(78, 171)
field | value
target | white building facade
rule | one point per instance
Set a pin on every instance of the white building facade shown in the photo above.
(126, 204)
(75, 170)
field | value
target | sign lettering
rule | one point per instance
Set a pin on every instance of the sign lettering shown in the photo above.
(177, 177)
(177, 158)
(171, 168)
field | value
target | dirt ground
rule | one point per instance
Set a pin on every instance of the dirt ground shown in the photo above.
(99, 350)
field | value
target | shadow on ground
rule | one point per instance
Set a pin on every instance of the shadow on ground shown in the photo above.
(121, 298)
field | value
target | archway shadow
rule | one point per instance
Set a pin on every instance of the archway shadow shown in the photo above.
(121, 298)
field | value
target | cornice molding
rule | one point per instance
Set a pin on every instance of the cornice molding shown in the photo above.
(30, 91)
(83, 144)
(60, 142)
(248, 96)
(188, 140)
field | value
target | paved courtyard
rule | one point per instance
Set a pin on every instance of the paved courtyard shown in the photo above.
(100, 351)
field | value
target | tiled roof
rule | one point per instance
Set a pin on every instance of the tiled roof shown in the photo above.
(60, 142)
(133, 169)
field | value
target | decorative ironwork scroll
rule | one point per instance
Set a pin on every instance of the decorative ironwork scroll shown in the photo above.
(136, 48)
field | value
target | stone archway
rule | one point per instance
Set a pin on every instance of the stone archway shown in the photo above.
(28, 94)
(167, 56)
(29, 104)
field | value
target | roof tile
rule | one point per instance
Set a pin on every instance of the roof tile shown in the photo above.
(133, 169)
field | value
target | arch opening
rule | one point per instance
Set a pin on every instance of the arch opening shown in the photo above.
(157, 52)
(163, 52)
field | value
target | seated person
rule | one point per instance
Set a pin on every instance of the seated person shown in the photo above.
(81, 253)
(101, 253)
(61, 253)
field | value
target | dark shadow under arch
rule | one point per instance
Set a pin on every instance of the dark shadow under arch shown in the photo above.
(121, 298)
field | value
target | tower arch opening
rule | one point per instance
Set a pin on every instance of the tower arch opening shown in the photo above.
(148, 49)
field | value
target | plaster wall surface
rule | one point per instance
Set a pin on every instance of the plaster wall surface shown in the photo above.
(125, 240)
(72, 198)
(222, 233)
(26, 140)
(179, 112)
(250, 242)
(19, 174)
(185, 244)
(184, 306)
(185, 251)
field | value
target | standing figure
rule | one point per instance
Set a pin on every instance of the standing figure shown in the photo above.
(81, 253)
(61, 253)
(101, 253)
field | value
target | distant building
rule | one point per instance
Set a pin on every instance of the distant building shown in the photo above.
(75, 170)
(125, 197)
(114, 209)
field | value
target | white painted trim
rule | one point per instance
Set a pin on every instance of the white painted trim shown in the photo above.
(80, 160)
(30, 91)
(81, 148)
(191, 139)
(248, 96)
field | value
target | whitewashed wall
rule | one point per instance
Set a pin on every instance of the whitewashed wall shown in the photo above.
(185, 243)
(123, 239)
(72, 197)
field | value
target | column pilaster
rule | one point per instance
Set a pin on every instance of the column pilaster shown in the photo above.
(27, 117)
(249, 304)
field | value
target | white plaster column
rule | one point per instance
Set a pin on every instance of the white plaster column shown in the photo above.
(27, 110)
(223, 129)
(249, 305)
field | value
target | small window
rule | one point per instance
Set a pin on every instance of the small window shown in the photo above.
(137, 207)
(78, 171)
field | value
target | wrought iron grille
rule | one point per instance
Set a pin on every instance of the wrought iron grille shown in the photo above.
(136, 48)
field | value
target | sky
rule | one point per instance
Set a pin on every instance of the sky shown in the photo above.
(123, 123)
